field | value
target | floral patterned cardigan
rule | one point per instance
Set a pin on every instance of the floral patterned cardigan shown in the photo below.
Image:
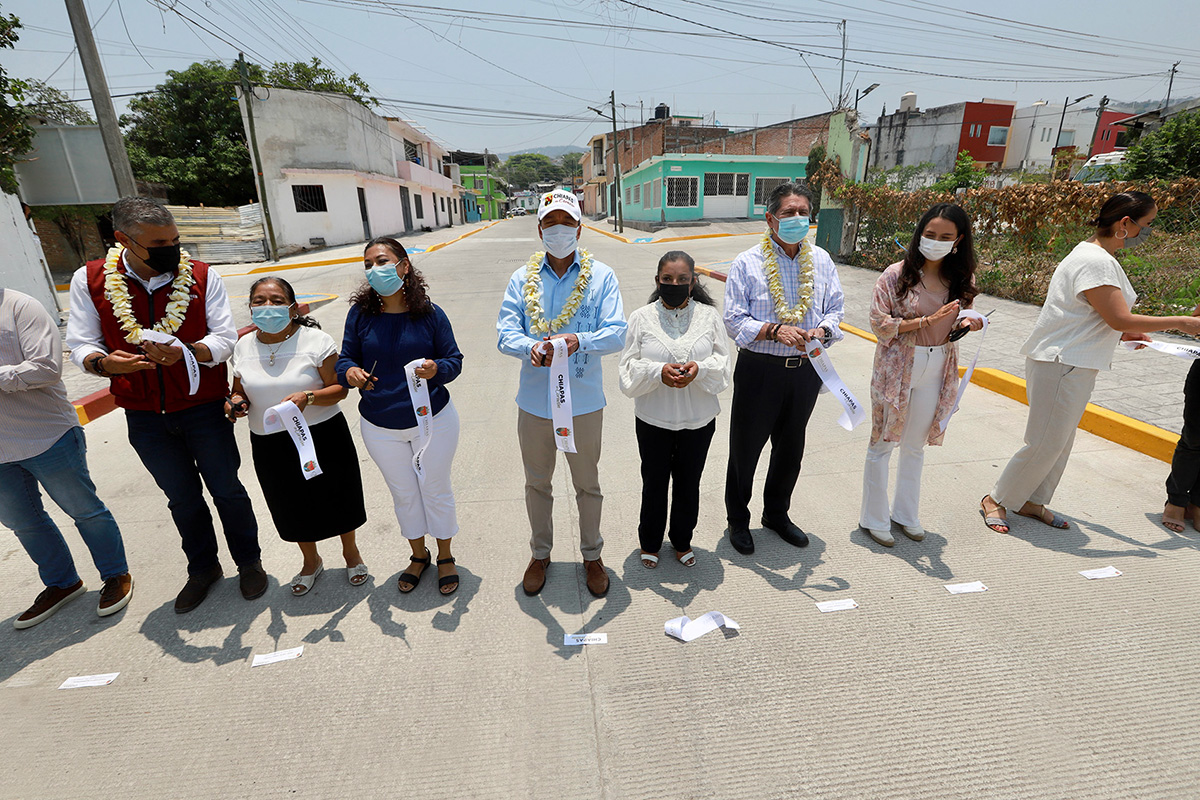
(891, 376)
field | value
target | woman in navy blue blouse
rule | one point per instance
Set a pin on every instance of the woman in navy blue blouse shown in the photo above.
(391, 324)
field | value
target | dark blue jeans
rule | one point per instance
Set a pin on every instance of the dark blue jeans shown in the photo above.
(63, 473)
(181, 448)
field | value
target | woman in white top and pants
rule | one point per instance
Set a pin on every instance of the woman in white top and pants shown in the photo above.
(1087, 311)
(675, 363)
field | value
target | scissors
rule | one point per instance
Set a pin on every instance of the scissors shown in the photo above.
(370, 376)
(958, 333)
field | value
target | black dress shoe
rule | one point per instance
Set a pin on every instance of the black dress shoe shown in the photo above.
(788, 531)
(740, 538)
(195, 590)
(252, 580)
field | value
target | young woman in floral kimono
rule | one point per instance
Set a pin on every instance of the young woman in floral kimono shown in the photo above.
(915, 376)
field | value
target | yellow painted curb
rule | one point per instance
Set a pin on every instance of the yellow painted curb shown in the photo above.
(82, 414)
(1117, 428)
(609, 234)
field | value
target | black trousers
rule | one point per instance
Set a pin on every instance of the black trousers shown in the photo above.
(771, 402)
(1183, 484)
(675, 457)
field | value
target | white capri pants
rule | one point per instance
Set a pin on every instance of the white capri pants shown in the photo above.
(924, 391)
(420, 510)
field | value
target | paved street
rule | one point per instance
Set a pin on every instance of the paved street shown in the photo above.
(1045, 686)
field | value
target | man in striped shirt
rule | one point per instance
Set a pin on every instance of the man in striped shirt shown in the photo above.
(774, 385)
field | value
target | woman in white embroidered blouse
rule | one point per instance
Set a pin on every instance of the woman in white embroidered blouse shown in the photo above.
(675, 363)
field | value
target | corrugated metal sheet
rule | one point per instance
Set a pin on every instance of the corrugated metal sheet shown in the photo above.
(222, 235)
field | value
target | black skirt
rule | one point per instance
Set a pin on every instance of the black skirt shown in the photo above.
(319, 508)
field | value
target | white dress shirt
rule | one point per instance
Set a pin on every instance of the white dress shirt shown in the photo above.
(85, 336)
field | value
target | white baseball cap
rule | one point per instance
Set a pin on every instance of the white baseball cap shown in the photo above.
(559, 199)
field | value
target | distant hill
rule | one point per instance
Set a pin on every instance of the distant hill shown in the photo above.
(553, 153)
(1144, 105)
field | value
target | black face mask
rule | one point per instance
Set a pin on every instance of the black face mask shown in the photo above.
(161, 259)
(674, 294)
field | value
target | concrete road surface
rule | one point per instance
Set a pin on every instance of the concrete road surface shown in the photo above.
(1047, 685)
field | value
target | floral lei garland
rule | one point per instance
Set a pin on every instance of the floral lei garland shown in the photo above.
(117, 292)
(794, 314)
(533, 293)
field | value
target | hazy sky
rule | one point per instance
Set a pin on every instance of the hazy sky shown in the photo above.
(551, 59)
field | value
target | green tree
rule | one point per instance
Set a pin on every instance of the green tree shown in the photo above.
(965, 175)
(816, 155)
(189, 135)
(44, 100)
(1172, 151)
(523, 170)
(572, 165)
(16, 137)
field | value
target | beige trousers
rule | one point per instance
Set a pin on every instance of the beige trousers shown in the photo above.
(539, 453)
(1058, 394)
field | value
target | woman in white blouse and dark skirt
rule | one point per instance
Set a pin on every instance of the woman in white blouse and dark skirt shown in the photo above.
(290, 358)
(675, 363)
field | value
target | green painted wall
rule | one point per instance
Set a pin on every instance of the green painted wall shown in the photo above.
(695, 167)
(493, 202)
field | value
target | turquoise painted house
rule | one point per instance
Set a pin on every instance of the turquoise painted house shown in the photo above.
(680, 187)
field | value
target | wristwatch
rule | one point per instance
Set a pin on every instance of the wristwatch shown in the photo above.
(309, 398)
(828, 333)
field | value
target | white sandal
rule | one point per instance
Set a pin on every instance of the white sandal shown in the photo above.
(688, 559)
(357, 575)
(305, 582)
(650, 557)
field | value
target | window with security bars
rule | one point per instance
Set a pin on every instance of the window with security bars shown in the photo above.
(637, 194)
(628, 195)
(646, 197)
(309, 199)
(763, 188)
(410, 152)
(743, 184)
(658, 192)
(681, 192)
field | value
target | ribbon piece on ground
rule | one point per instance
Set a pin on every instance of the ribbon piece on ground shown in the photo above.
(853, 413)
(418, 392)
(287, 417)
(966, 313)
(1188, 351)
(686, 629)
(193, 366)
(561, 411)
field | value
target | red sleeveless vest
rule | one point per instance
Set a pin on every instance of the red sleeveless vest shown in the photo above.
(164, 389)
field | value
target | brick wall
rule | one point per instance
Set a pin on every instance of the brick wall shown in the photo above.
(793, 138)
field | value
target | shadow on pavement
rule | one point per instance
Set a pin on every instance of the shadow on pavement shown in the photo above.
(925, 556)
(707, 575)
(385, 600)
(773, 558)
(1075, 540)
(1189, 539)
(224, 607)
(74, 623)
(566, 591)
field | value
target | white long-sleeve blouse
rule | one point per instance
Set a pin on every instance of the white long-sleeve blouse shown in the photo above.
(658, 335)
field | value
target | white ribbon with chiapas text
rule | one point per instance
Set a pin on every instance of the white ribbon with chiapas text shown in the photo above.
(562, 414)
(287, 416)
(418, 391)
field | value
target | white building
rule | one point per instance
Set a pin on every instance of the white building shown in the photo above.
(337, 173)
(1036, 131)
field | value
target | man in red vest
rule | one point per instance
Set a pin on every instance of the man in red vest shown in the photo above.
(173, 400)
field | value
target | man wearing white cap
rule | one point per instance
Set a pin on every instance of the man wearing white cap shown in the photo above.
(561, 294)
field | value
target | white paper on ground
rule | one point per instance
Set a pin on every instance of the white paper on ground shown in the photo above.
(80, 681)
(585, 638)
(189, 360)
(836, 605)
(966, 588)
(1102, 572)
(689, 629)
(278, 655)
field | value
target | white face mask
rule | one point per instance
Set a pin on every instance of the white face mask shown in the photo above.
(934, 250)
(560, 240)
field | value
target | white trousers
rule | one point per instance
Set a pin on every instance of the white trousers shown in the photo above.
(420, 510)
(924, 390)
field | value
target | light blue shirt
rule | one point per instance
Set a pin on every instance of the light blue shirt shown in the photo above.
(748, 302)
(599, 323)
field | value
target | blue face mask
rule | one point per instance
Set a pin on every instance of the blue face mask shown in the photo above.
(385, 280)
(271, 319)
(792, 230)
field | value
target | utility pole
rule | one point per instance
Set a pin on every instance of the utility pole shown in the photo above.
(618, 216)
(487, 180)
(248, 96)
(1170, 85)
(93, 70)
(1096, 130)
(843, 95)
